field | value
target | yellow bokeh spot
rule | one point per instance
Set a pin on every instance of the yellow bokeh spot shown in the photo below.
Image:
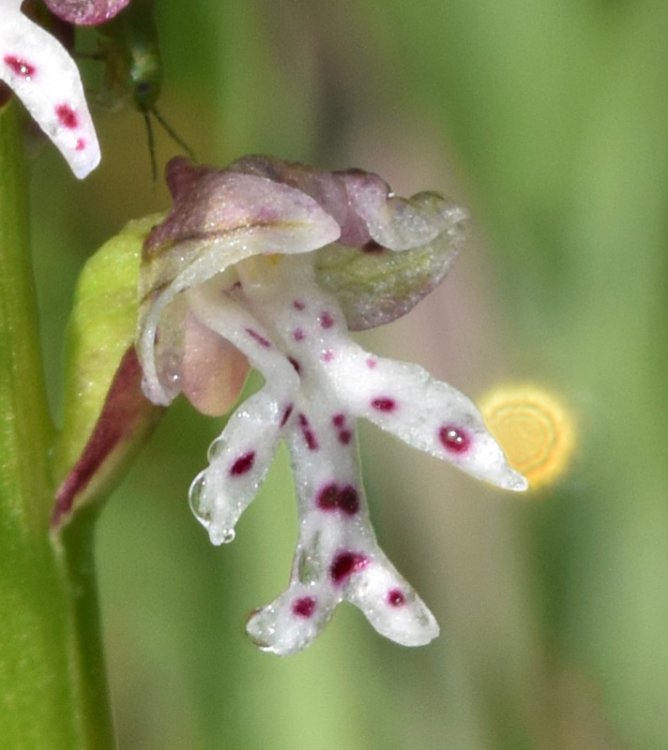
(534, 428)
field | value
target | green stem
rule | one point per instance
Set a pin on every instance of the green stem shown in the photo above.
(52, 687)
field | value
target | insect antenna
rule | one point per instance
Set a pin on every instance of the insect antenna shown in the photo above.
(173, 134)
(151, 145)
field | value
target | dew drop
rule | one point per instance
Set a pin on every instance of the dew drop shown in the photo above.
(216, 449)
(221, 536)
(196, 497)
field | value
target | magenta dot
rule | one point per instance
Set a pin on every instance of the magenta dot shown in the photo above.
(384, 404)
(396, 598)
(298, 334)
(345, 564)
(304, 607)
(67, 116)
(327, 356)
(243, 464)
(345, 436)
(286, 415)
(371, 362)
(81, 144)
(338, 420)
(333, 497)
(326, 319)
(19, 66)
(261, 340)
(454, 439)
(298, 304)
(309, 436)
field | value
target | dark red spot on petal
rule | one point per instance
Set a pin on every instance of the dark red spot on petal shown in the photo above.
(307, 431)
(298, 304)
(67, 116)
(345, 436)
(454, 439)
(396, 598)
(298, 334)
(243, 464)
(345, 564)
(19, 66)
(261, 340)
(334, 497)
(326, 319)
(286, 415)
(384, 404)
(338, 420)
(81, 144)
(304, 607)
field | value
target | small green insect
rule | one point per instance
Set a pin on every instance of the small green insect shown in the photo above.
(133, 71)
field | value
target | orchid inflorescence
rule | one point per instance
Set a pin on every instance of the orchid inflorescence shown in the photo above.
(270, 264)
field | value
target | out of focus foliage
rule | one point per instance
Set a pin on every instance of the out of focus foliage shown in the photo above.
(549, 119)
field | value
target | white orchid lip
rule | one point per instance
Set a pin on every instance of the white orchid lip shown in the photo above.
(254, 279)
(42, 74)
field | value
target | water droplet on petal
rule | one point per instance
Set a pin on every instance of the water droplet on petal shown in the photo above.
(216, 449)
(221, 536)
(196, 497)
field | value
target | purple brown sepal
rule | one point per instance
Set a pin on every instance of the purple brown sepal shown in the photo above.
(126, 419)
(86, 12)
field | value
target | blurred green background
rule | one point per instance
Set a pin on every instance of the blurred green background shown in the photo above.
(549, 119)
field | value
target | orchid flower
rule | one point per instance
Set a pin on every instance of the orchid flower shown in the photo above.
(43, 75)
(270, 264)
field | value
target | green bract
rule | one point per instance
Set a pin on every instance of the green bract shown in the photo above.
(104, 412)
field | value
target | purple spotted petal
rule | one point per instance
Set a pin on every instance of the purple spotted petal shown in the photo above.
(240, 457)
(86, 12)
(428, 414)
(42, 74)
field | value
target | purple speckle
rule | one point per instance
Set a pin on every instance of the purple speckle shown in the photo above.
(343, 433)
(371, 362)
(326, 319)
(19, 66)
(67, 116)
(327, 355)
(286, 415)
(307, 431)
(345, 564)
(333, 497)
(384, 404)
(304, 607)
(243, 464)
(298, 304)
(261, 340)
(298, 334)
(454, 439)
(81, 144)
(396, 598)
